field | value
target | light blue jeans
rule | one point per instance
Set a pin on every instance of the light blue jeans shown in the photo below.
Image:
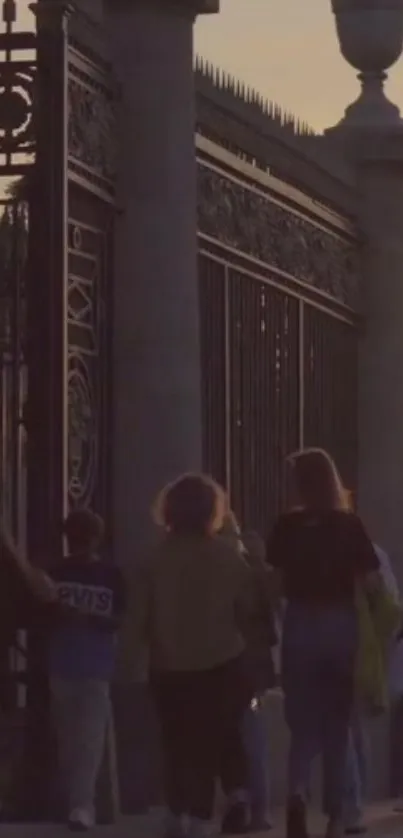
(81, 711)
(356, 772)
(319, 645)
(257, 750)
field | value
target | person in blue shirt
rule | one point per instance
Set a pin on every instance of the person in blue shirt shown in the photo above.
(82, 651)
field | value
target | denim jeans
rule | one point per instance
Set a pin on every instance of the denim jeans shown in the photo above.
(319, 645)
(257, 749)
(80, 711)
(356, 771)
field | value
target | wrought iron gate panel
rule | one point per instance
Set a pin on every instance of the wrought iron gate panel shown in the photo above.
(17, 146)
(54, 331)
(92, 97)
(89, 393)
(331, 388)
(13, 374)
(288, 337)
(213, 320)
(263, 363)
(18, 70)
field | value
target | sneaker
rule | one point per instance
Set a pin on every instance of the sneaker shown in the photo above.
(81, 820)
(335, 828)
(236, 821)
(296, 818)
(357, 827)
(260, 824)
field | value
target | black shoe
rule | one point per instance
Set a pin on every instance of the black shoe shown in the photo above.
(260, 825)
(296, 818)
(236, 821)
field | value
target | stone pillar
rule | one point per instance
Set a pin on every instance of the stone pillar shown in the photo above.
(157, 408)
(371, 134)
(381, 357)
(157, 400)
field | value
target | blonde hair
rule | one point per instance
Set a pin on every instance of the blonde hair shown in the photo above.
(318, 481)
(193, 503)
(230, 520)
(230, 530)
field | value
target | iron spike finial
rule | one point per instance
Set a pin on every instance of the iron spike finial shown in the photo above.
(9, 11)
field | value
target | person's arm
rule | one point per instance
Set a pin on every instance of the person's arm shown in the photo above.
(366, 561)
(264, 579)
(36, 579)
(276, 550)
(246, 586)
(387, 573)
(109, 622)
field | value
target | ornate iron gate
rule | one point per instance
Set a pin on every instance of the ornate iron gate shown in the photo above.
(279, 280)
(56, 234)
(55, 269)
(13, 252)
(16, 161)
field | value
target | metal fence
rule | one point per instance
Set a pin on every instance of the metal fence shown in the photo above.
(279, 291)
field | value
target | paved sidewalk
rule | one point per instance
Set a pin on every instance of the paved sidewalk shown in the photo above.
(382, 821)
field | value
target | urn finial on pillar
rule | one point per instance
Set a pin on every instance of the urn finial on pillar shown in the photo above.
(370, 34)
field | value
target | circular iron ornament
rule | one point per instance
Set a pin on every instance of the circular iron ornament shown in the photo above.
(82, 433)
(16, 94)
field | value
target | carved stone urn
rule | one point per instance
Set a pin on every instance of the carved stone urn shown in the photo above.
(370, 34)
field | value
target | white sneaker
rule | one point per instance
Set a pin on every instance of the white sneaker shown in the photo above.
(81, 820)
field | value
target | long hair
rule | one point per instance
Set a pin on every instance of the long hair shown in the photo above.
(192, 504)
(317, 480)
(230, 530)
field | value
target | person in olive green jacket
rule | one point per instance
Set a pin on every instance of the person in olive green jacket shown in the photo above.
(195, 596)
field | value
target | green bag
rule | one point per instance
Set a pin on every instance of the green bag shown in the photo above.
(379, 617)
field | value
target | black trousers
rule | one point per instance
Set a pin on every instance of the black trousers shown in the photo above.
(199, 713)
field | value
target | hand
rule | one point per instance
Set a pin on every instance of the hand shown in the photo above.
(255, 548)
(41, 585)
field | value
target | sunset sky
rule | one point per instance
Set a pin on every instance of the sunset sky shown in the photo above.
(288, 50)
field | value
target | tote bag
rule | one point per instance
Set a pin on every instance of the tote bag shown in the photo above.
(379, 616)
(395, 670)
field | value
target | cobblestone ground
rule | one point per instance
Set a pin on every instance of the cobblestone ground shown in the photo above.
(383, 823)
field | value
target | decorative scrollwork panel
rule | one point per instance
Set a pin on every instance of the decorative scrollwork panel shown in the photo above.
(249, 221)
(86, 350)
(91, 127)
(14, 224)
(17, 87)
(16, 119)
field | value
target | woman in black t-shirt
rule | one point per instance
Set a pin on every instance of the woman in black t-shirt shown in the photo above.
(320, 551)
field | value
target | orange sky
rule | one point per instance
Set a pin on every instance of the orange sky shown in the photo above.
(288, 50)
